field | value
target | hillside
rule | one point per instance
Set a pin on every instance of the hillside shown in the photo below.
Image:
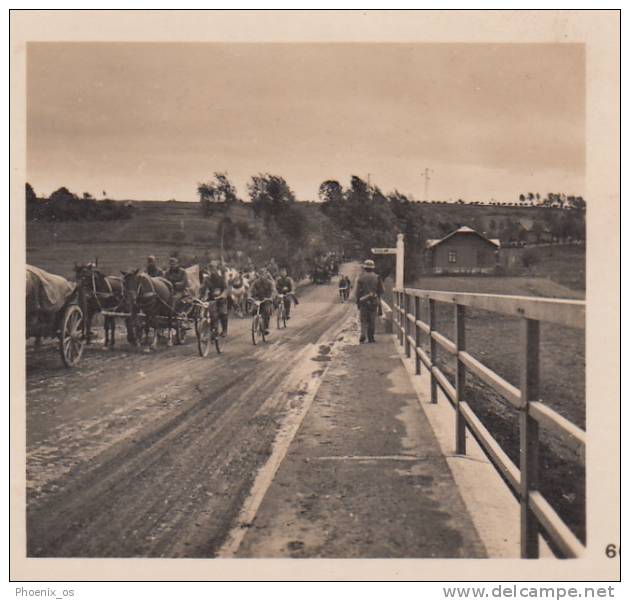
(162, 228)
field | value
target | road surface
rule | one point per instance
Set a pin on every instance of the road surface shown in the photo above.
(137, 454)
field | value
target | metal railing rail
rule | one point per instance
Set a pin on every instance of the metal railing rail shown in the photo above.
(536, 513)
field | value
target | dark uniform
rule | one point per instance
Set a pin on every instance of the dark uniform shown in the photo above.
(154, 271)
(176, 275)
(213, 288)
(285, 285)
(344, 287)
(368, 292)
(262, 288)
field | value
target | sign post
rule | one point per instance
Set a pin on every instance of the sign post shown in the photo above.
(399, 251)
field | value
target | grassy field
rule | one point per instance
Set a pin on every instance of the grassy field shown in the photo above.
(520, 286)
(564, 264)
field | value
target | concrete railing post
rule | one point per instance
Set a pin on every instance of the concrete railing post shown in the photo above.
(530, 378)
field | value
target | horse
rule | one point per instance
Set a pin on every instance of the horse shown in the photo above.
(237, 287)
(102, 293)
(154, 297)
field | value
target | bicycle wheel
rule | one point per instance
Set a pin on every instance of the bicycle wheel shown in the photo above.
(261, 326)
(218, 341)
(255, 329)
(281, 316)
(204, 337)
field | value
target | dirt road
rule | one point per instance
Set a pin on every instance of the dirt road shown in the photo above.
(136, 454)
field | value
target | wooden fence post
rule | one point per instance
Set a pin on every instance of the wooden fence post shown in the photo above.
(530, 377)
(416, 314)
(400, 317)
(407, 326)
(432, 349)
(460, 379)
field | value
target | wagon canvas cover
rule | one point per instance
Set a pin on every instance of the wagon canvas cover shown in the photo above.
(52, 290)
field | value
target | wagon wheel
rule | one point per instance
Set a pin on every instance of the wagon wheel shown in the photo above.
(71, 339)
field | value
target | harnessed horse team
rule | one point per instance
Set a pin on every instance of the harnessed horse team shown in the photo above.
(151, 305)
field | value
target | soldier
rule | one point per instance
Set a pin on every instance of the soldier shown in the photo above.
(286, 286)
(213, 288)
(368, 294)
(344, 287)
(176, 275)
(152, 268)
(262, 288)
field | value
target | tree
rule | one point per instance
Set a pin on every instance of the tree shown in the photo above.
(270, 195)
(31, 197)
(218, 192)
(61, 195)
(359, 190)
(330, 191)
(521, 197)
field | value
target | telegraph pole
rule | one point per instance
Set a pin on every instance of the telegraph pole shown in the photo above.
(427, 179)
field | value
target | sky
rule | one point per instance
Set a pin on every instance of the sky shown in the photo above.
(150, 121)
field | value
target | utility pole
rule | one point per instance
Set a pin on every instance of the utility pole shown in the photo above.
(427, 179)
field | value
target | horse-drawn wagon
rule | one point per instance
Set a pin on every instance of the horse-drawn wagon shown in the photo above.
(320, 275)
(53, 310)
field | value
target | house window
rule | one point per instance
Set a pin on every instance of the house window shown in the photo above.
(452, 256)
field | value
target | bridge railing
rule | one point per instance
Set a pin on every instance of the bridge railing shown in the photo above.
(536, 513)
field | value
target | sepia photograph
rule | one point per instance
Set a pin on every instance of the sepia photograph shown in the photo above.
(315, 298)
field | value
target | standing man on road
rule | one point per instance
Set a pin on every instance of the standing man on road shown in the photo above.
(368, 294)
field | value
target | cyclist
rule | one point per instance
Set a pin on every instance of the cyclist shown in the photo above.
(344, 287)
(213, 289)
(286, 286)
(262, 288)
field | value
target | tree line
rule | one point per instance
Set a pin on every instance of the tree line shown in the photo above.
(361, 216)
(63, 205)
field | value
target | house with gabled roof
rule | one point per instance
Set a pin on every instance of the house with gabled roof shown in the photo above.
(462, 251)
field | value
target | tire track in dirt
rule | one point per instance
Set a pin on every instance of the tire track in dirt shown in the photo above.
(173, 484)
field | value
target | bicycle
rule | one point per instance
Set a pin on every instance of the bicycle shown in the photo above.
(206, 327)
(281, 312)
(258, 327)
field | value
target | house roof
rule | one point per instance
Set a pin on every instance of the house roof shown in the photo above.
(431, 243)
